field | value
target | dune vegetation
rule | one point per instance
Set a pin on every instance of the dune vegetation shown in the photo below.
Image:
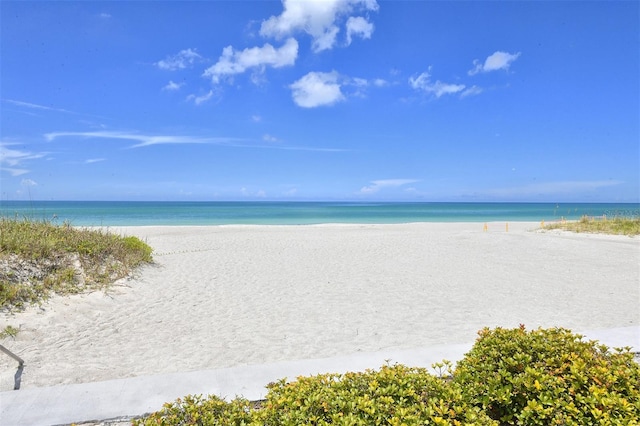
(601, 225)
(39, 258)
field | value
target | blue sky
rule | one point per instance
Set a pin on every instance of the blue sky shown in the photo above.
(320, 100)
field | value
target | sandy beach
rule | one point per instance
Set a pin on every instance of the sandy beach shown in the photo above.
(221, 296)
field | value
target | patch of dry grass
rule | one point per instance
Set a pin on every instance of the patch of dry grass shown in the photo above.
(604, 225)
(38, 258)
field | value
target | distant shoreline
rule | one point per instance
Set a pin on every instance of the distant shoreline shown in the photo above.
(98, 213)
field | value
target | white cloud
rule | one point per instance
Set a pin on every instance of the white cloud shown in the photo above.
(237, 61)
(552, 188)
(423, 82)
(36, 106)
(317, 89)
(360, 86)
(497, 61)
(270, 138)
(327, 40)
(11, 160)
(359, 82)
(257, 194)
(149, 140)
(471, 91)
(358, 26)
(14, 171)
(143, 140)
(33, 106)
(200, 99)
(172, 86)
(183, 59)
(377, 185)
(256, 118)
(28, 182)
(318, 18)
(94, 160)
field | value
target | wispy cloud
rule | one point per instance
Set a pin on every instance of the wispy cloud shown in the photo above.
(253, 194)
(379, 82)
(143, 140)
(12, 160)
(36, 106)
(150, 140)
(423, 83)
(552, 188)
(94, 160)
(198, 100)
(181, 60)
(172, 86)
(378, 185)
(471, 91)
(270, 138)
(497, 61)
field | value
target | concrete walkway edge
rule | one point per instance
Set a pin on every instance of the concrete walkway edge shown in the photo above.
(65, 404)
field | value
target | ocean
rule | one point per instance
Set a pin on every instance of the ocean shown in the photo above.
(125, 213)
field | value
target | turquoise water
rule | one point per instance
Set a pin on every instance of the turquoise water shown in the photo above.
(107, 213)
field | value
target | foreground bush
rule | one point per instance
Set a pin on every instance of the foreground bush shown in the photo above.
(549, 377)
(510, 377)
(37, 258)
(394, 395)
(196, 410)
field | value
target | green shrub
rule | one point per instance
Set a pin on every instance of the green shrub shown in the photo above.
(547, 377)
(196, 410)
(510, 377)
(394, 395)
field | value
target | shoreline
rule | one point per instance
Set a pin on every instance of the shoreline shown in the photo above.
(168, 213)
(229, 295)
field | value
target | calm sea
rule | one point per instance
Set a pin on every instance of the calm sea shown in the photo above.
(107, 213)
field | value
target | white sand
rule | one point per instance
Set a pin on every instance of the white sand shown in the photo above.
(236, 295)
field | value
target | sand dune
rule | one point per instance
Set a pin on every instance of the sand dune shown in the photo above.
(223, 296)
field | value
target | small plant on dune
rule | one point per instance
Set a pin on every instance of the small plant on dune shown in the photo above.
(38, 258)
(616, 225)
(9, 331)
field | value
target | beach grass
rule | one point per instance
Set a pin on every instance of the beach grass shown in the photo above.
(587, 224)
(38, 258)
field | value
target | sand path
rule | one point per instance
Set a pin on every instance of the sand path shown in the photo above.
(223, 296)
